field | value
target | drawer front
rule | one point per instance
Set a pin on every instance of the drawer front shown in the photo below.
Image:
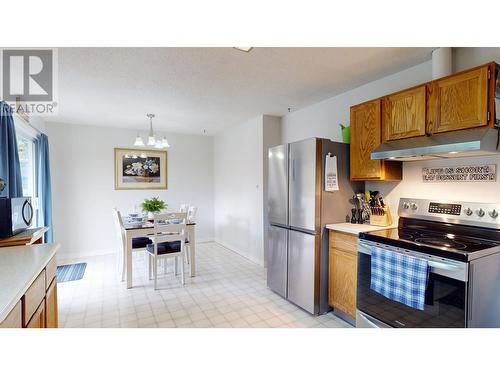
(50, 271)
(344, 241)
(14, 319)
(38, 318)
(33, 297)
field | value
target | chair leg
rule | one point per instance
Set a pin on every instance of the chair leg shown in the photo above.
(176, 265)
(182, 270)
(150, 266)
(123, 265)
(155, 269)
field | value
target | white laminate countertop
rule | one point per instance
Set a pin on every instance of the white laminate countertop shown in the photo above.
(357, 228)
(19, 267)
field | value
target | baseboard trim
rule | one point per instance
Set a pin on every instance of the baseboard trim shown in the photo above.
(240, 252)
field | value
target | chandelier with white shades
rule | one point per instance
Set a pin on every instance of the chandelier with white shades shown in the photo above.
(152, 141)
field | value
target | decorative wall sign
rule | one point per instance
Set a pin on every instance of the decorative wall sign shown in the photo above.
(140, 169)
(331, 175)
(468, 173)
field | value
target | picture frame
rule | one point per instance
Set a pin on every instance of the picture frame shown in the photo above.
(140, 169)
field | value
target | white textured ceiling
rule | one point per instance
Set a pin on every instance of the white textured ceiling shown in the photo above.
(191, 89)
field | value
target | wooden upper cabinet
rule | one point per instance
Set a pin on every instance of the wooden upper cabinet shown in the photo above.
(459, 101)
(365, 137)
(404, 114)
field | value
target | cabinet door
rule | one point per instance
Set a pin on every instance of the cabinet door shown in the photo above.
(33, 297)
(51, 313)
(342, 291)
(459, 102)
(365, 136)
(404, 114)
(38, 318)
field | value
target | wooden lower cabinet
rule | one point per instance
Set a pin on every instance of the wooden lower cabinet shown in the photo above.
(33, 297)
(38, 318)
(14, 319)
(51, 318)
(38, 306)
(343, 273)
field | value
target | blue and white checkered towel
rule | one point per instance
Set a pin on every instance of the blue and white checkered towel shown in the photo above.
(399, 277)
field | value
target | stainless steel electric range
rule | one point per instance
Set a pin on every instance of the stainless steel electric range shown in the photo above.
(461, 243)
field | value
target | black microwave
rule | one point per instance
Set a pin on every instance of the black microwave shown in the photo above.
(16, 215)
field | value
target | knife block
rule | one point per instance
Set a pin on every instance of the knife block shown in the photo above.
(380, 217)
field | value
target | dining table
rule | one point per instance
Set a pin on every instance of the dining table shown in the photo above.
(145, 229)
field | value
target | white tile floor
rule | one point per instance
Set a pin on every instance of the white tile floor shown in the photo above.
(228, 291)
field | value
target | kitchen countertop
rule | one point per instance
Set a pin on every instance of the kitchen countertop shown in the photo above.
(19, 267)
(357, 228)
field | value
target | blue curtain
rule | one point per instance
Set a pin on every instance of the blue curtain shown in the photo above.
(44, 186)
(10, 169)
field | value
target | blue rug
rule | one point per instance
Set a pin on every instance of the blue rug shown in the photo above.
(71, 272)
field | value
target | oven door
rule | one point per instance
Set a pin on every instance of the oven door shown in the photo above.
(445, 296)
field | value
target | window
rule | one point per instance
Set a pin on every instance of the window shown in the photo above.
(26, 149)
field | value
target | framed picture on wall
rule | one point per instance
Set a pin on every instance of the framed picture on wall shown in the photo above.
(140, 169)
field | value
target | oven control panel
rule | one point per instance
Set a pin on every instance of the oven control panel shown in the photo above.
(467, 213)
(445, 208)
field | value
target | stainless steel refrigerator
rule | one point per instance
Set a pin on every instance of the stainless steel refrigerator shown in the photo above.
(298, 210)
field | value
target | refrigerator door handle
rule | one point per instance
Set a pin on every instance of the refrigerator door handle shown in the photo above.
(293, 169)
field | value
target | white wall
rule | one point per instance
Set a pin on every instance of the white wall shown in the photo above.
(238, 194)
(82, 168)
(322, 119)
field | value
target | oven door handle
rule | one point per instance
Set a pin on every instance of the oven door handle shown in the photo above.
(442, 266)
(458, 272)
(437, 265)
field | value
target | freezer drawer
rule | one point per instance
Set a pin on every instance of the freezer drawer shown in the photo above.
(277, 197)
(302, 196)
(277, 259)
(301, 270)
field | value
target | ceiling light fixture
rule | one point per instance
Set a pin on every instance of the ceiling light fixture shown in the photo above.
(152, 141)
(151, 136)
(165, 143)
(138, 141)
(244, 49)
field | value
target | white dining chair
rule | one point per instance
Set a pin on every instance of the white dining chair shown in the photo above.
(168, 242)
(191, 213)
(138, 243)
(184, 207)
